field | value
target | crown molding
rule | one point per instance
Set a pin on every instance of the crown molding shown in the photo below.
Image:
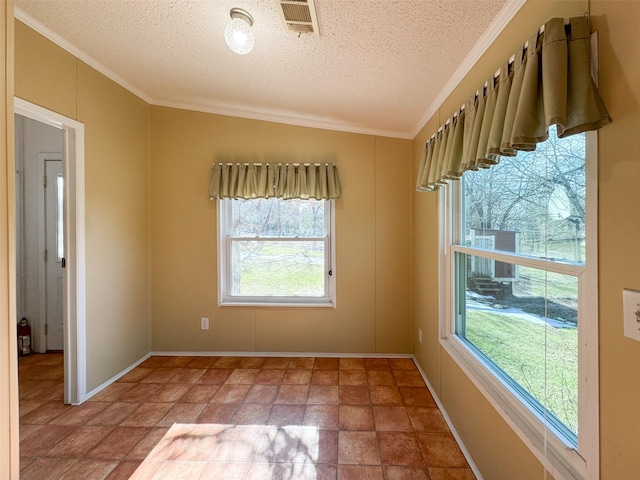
(270, 116)
(76, 52)
(494, 29)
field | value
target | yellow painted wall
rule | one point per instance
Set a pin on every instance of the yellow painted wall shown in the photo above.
(45, 74)
(116, 184)
(619, 234)
(495, 448)
(393, 183)
(373, 264)
(425, 280)
(117, 224)
(9, 456)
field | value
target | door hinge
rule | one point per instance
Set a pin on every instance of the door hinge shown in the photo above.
(46, 255)
(46, 329)
(44, 181)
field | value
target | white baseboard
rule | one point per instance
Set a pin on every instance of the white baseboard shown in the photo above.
(447, 419)
(238, 354)
(104, 385)
(281, 354)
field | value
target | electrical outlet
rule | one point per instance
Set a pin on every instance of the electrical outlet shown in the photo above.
(204, 323)
(631, 302)
(420, 335)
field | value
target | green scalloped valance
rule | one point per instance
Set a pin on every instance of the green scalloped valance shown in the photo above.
(281, 180)
(547, 82)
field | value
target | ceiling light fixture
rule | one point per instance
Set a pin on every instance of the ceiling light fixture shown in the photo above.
(238, 34)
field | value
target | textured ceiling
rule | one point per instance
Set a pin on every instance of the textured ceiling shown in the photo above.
(377, 66)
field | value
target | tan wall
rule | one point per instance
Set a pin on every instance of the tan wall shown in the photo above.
(393, 184)
(9, 457)
(495, 448)
(372, 231)
(116, 183)
(45, 74)
(425, 280)
(619, 233)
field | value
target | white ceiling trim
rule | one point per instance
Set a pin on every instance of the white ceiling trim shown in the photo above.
(76, 52)
(494, 29)
(267, 116)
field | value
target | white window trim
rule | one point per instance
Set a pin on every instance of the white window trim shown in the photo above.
(224, 267)
(561, 459)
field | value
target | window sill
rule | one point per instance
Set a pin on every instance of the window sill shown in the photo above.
(557, 456)
(260, 302)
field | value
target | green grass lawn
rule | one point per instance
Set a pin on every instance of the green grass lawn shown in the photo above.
(517, 346)
(282, 268)
(280, 278)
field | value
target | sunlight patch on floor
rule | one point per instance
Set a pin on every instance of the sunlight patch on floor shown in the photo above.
(234, 452)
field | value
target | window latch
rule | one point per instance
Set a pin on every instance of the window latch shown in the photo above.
(330, 273)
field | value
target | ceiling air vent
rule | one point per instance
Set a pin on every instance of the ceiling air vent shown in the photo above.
(298, 16)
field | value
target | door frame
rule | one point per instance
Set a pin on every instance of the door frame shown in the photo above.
(75, 301)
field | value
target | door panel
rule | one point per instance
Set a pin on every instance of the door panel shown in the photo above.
(54, 245)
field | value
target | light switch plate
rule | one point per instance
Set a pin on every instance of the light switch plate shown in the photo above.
(204, 323)
(631, 302)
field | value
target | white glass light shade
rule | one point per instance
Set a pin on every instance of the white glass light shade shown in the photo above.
(239, 36)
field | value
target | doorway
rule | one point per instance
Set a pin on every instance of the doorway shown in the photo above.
(57, 235)
(40, 232)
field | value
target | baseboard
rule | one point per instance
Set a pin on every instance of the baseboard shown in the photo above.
(238, 354)
(281, 354)
(104, 385)
(447, 419)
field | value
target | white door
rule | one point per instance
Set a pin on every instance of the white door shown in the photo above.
(54, 254)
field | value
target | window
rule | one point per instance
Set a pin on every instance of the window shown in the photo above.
(520, 311)
(276, 252)
(60, 217)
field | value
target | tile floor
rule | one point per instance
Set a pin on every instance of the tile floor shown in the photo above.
(243, 418)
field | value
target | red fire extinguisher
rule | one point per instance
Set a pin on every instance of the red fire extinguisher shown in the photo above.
(24, 338)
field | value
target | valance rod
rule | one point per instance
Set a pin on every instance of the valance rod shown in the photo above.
(526, 44)
(258, 164)
(547, 82)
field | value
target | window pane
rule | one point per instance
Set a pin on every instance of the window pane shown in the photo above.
(60, 217)
(278, 268)
(533, 204)
(527, 328)
(274, 217)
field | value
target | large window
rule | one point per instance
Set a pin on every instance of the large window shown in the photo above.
(521, 314)
(276, 252)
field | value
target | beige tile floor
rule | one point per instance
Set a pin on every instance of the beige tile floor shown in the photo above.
(243, 418)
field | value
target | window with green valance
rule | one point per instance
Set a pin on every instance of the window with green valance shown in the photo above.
(547, 82)
(274, 180)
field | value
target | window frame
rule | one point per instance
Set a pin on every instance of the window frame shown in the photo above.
(225, 240)
(550, 447)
